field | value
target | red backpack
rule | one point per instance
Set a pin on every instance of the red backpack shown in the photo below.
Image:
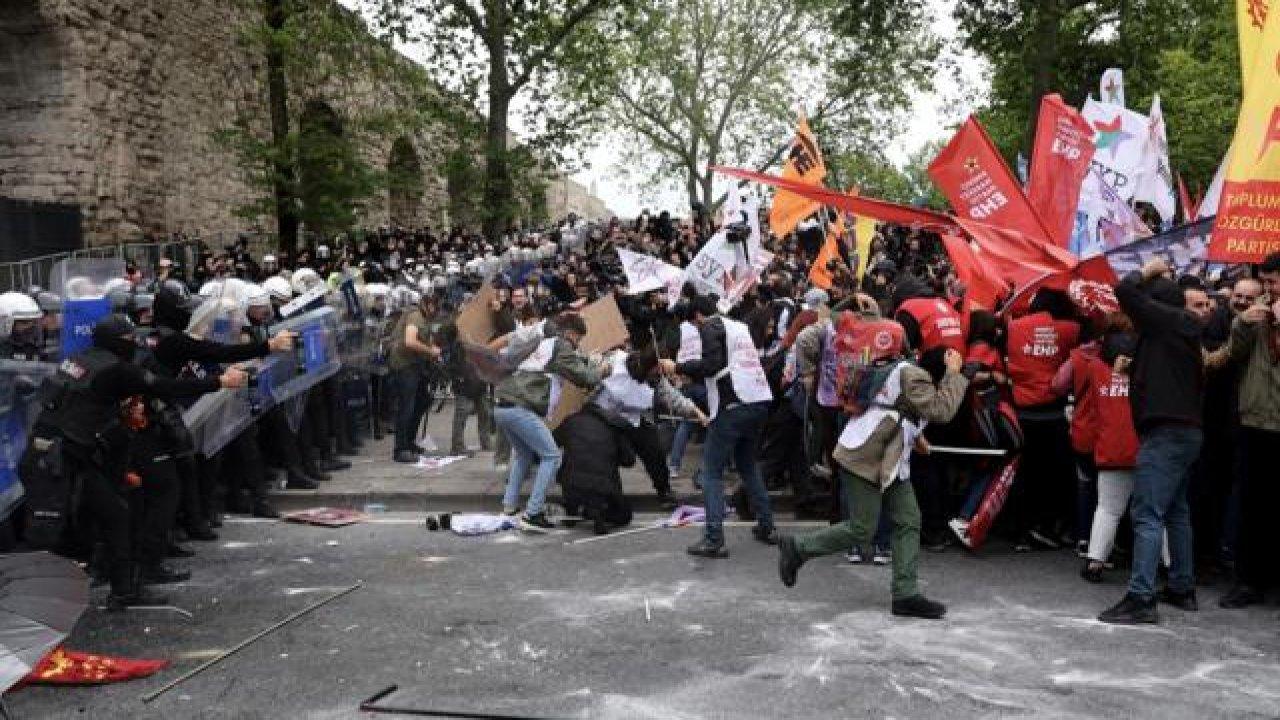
(866, 352)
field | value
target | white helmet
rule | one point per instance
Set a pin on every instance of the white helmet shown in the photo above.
(16, 306)
(278, 288)
(305, 279)
(204, 317)
(268, 259)
(424, 285)
(253, 295)
(375, 290)
(211, 289)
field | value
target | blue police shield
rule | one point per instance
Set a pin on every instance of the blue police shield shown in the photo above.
(19, 406)
(83, 284)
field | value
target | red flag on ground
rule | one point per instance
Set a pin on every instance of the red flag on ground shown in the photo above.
(71, 667)
(983, 287)
(1059, 162)
(979, 185)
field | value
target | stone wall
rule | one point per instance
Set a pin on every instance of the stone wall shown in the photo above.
(113, 105)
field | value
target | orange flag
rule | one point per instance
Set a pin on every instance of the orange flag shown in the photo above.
(803, 164)
(819, 275)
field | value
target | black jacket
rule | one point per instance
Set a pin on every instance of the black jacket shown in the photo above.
(595, 446)
(1167, 375)
(715, 357)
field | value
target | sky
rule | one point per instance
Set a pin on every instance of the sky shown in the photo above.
(931, 112)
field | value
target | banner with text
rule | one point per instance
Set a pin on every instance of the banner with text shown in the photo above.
(1059, 162)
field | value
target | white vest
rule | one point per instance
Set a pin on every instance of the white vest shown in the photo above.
(623, 395)
(743, 368)
(858, 430)
(537, 361)
(690, 343)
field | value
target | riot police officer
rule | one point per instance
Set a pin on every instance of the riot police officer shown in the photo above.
(87, 407)
(20, 328)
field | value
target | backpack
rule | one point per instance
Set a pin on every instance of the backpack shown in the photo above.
(867, 350)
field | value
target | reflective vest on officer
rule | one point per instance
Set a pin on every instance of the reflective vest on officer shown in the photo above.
(940, 324)
(1116, 446)
(1037, 347)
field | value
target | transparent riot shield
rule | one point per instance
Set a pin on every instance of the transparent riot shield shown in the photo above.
(83, 285)
(19, 406)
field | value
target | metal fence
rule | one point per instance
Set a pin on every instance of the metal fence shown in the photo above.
(22, 275)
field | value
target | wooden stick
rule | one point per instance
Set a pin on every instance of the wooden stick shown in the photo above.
(948, 450)
(246, 642)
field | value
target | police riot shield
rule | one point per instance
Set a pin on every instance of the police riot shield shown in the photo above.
(217, 418)
(83, 283)
(19, 406)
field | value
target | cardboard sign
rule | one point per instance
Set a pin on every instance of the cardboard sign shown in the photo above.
(606, 330)
(476, 323)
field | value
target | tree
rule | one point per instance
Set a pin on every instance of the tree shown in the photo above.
(1039, 46)
(705, 82)
(498, 52)
(307, 160)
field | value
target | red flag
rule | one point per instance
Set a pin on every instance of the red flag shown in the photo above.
(858, 205)
(71, 667)
(1059, 162)
(992, 504)
(979, 184)
(1188, 208)
(983, 287)
(1016, 257)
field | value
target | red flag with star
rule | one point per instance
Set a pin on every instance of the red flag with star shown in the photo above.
(72, 667)
(979, 185)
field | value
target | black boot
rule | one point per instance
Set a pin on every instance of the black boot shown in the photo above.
(1131, 610)
(919, 606)
(99, 566)
(789, 560)
(263, 509)
(1181, 600)
(161, 574)
(707, 549)
(198, 529)
(127, 589)
(298, 481)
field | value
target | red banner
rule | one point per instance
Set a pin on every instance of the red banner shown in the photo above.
(862, 206)
(1059, 162)
(983, 287)
(978, 183)
(1014, 256)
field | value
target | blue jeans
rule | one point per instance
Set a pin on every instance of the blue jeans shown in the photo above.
(697, 392)
(734, 433)
(1159, 504)
(530, 439)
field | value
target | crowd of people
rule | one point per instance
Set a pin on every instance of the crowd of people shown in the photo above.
(1155, 401)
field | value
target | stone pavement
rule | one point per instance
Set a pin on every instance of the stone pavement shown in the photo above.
(468, 484)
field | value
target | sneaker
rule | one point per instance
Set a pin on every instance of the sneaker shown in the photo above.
(789, 560)
(1043, 541)
(960, 527)
(881, 555)
(1092, 571)
(707, 549)
(1241, 596)
(535, 523)
(1185, 601)
(768, 537)
(855, 555)
(1131, 610)
(918, 606)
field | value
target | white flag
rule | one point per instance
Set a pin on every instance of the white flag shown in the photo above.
(645, 273)
(1155, 177)
(1112, 86)
(1104, 221)
(1119, 136)
(1209, 205)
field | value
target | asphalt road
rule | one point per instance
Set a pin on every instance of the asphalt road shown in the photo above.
(630, 627)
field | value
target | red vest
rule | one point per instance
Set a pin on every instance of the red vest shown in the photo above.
(1117, 442)
(1037, 346)
(940, 324)
(1084, 420)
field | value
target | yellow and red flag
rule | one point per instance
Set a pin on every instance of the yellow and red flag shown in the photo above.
(1251, 19)
(1248, 225)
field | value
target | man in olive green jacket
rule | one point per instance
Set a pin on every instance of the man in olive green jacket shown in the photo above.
(873, 458)
(1255, 350)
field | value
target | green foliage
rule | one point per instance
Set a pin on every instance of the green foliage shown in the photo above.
(874, 176)
(705, 82)
(1182, 49)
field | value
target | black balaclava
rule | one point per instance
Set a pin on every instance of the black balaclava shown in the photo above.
(114, 333)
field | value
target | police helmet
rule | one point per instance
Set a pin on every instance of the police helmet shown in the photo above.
(16, 306)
